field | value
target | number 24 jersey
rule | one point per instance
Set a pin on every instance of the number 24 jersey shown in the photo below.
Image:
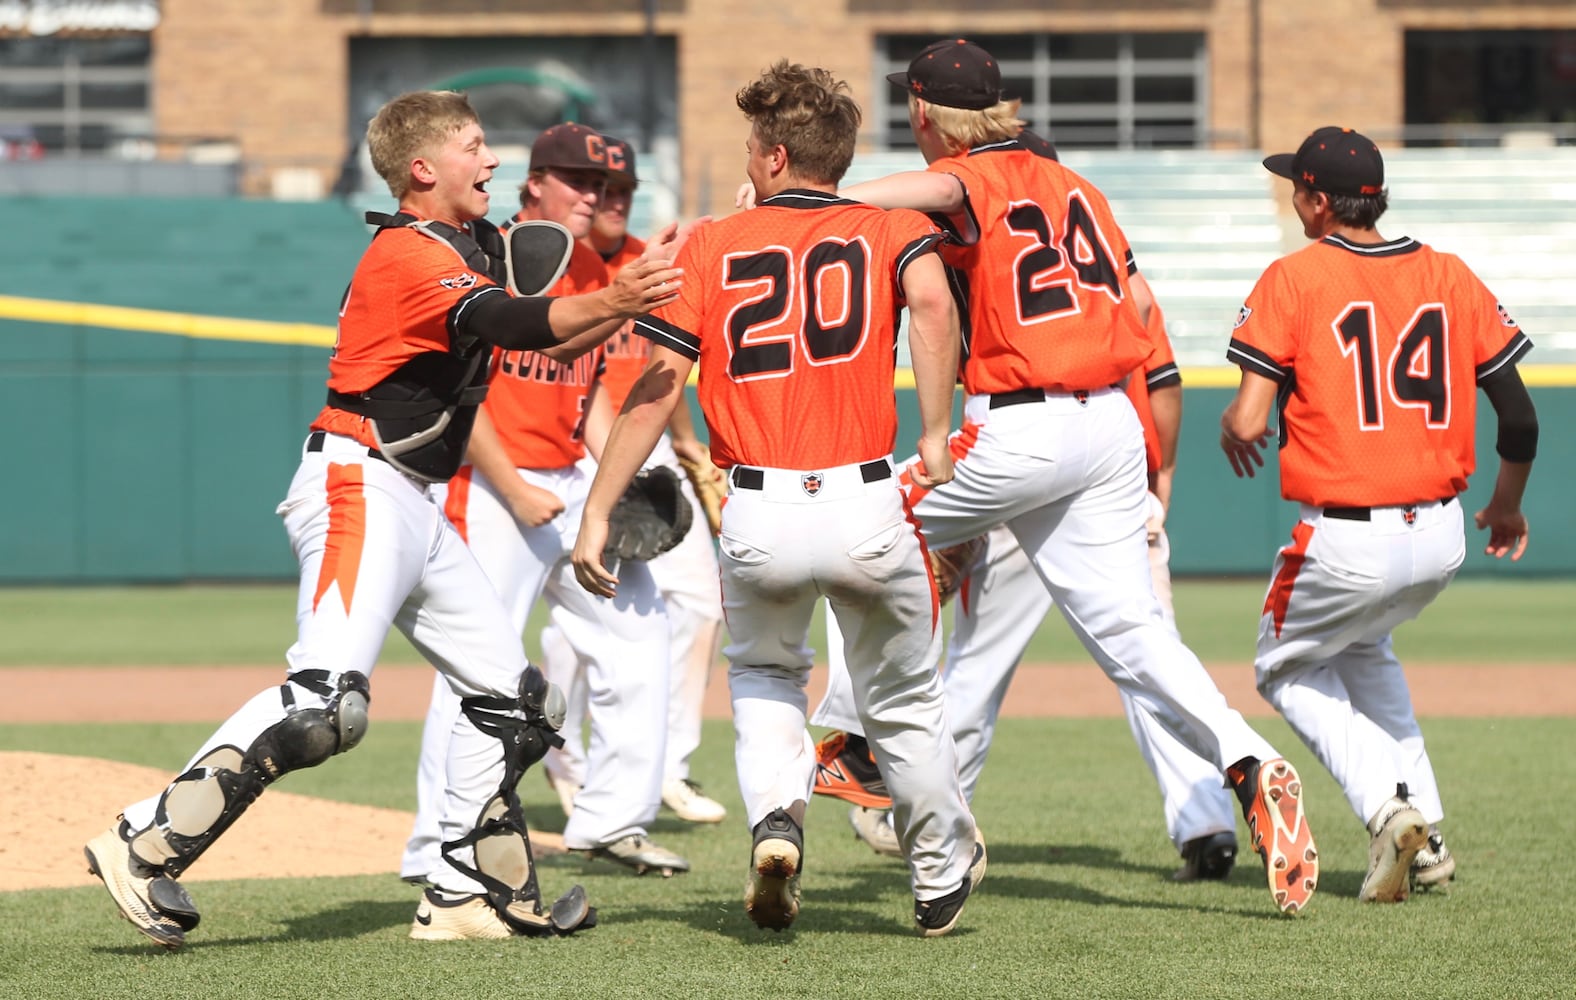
(1378, 350)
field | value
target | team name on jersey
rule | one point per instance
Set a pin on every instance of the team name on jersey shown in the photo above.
(533, 367)
(626, 343)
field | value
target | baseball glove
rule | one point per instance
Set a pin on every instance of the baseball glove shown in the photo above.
(649, 519)
(711, 487)
(951, 566)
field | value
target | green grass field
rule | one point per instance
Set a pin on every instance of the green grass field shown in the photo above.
(1077, 901)
(1474, 621)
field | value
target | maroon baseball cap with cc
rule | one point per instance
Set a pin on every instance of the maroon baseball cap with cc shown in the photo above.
(620, 161)
(954, 73)
(1334, 160)
(569, 147)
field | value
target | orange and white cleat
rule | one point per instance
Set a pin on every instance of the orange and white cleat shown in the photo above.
(1278, 830)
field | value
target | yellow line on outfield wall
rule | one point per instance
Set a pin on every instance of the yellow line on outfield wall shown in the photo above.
(313, 335)
(169, 323)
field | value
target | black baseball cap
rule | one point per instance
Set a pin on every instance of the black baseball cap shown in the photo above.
(620, 161)
(1334, 160)
(954, 73)
(570, 147)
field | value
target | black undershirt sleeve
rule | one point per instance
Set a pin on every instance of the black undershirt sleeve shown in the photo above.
(1518, 420)
(514, 324)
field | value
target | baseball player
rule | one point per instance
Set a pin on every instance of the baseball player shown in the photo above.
(685, 576)
(789, 310)
(1050, 444)
(423, 308)
(516, 503)
(1371, 351)
(1000, 605)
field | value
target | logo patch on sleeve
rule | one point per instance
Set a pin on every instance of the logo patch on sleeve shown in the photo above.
(1242, 316)
(458, 281)
(1504, 315)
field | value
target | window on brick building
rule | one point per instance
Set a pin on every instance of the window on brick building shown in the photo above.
(70, 95)
(1082, 91)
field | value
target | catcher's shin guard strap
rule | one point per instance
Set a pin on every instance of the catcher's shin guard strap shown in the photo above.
(500, 842)
(201, 803)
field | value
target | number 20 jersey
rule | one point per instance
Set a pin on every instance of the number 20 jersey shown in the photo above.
(1378, 351)
(791, 310)
(1046, 285)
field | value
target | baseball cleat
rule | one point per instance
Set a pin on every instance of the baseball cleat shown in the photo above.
(1397, 832)
(1278, 830)
(153, 902)
(874, 828)
(465, 919)
(1207, 859)
(846, 769)
(771, 896)
(635, 851)
(936, 917)
(689, 803)
(1434, 866)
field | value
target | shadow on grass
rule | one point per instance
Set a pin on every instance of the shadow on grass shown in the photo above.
(345, 920)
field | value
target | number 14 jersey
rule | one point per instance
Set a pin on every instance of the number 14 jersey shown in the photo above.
(791, 309)
(1378, 350)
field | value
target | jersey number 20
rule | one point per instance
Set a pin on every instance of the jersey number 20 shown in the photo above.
(1417, 371)
(832, 286)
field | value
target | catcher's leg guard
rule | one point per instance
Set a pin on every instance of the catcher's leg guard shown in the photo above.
(528, 728)
(201, 804)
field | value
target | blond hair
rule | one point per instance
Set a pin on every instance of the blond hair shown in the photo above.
(961, 128)
(808, 112)
(411, 125)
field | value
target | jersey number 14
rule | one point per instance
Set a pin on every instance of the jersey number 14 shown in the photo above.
(1417, 374)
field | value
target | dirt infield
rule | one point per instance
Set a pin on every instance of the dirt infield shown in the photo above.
(286, 835)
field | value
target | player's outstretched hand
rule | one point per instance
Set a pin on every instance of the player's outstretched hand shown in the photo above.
(587, 558)
(665, 244)
(745, 198)
(1244, 455)
(643, 286)
(934, 466)
(1507, 530)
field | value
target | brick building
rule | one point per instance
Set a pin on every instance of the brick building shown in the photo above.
(289, 84)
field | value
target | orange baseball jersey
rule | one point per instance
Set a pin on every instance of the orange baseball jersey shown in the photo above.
(791, 310)
(1047, 281)
(1159, 369)
(1378, 351)
(627, 351)
(397, 306)
(537, 403)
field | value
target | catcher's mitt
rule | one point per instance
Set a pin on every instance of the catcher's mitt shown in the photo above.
(950, 566)
(649, 519)
(711, 488)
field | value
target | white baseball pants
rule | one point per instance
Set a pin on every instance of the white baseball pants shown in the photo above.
(853, 542)
(1324, 655)
(375, 550)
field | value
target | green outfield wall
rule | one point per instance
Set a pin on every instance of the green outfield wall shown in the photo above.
(160, 361)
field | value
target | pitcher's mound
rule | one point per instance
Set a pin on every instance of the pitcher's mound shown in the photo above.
(56, 803)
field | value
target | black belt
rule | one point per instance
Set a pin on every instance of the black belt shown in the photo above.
(1016, 396)
(314, 442)
(746, 477)
(1367, 513)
